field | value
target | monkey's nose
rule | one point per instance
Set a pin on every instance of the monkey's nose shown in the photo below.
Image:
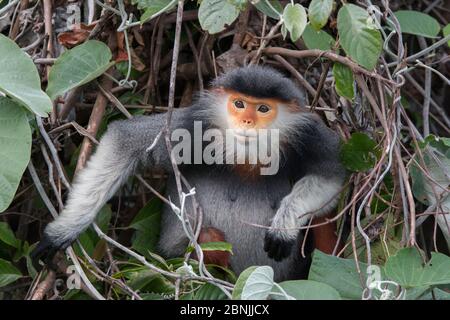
(247, 122)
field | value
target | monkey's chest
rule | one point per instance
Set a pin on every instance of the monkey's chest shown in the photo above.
(230, 201)
(241, 209)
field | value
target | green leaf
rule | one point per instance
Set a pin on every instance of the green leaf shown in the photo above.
(446, 32)
(439, 295)
(418, 23)
(154, 8)
(215, 15)
(8, 273)
(436, 163)
(341, 274)
(78, 66)
(209, 291)
(147, 224)
(284, 31)
(240, 283)
(359, 36)
(270, 8)
(139, 280)
(318, 12)
(214, 246)
(407, 269)
(7, 235)
(26, 251)
(20, 80)
(436, 160)
(103, 218)
(15, 148)
(259, 284)
(240, 4)
(219, 246)
(360, 153)
(307, 290)
(317, 39)
(343, 81)
(295, 20)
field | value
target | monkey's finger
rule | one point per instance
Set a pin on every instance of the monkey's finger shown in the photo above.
(271, 246)
(36, 255)
(285, 249)
(277, 248)
(282, 250)
(45, 251)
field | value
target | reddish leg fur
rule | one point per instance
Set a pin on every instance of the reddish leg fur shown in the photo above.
(325, 236)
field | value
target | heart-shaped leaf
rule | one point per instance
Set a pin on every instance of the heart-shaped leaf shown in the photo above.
(271, 8)
(240, 283)
(20, 80)
(359, 36)
(307, 290)
(259, 284)
(317, 39)
(418, 23)
(78, 66)
(360, 153)
(318, 12)
(15, 148)
(8, 273)
(295, 20)
(407, 269)
(7, 235)
(343, 79)
(215, 15)
(338, 273)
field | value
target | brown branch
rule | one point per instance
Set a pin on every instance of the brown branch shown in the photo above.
(300, 78)
(300, 54)
(44, 286)
(16, 26)
(241, 26)
(94, 122)
(323, 76)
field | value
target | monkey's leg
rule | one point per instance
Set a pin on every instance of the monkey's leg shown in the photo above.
(107, 169)
(325, 238)
(311, 196)
(121, 150)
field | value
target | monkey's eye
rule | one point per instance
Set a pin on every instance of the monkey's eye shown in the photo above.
(263, 108)
(239, 104)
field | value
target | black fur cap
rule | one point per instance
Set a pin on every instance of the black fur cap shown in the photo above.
(260, 82)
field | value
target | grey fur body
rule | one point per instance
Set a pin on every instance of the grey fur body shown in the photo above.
(308, 181)
(237, 211)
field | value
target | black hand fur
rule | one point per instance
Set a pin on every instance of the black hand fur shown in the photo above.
(45, 251)
(277, 248)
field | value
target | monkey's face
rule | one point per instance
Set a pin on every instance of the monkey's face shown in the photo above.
(247, 114)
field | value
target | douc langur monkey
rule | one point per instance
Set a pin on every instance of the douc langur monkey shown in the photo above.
(236, 199)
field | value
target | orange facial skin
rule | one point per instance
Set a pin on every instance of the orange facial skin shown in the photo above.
(248, 112)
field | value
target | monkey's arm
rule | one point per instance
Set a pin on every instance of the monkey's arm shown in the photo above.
(311, 196)
(122, 149)
(315, 194)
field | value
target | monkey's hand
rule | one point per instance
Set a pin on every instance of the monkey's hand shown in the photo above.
(46, 250)
(282, 235)
(276, 246)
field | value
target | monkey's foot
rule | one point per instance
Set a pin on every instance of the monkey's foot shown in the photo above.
(277, 246)
(45, 251)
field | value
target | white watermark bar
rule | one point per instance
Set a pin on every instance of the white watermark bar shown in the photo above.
(255, 147)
